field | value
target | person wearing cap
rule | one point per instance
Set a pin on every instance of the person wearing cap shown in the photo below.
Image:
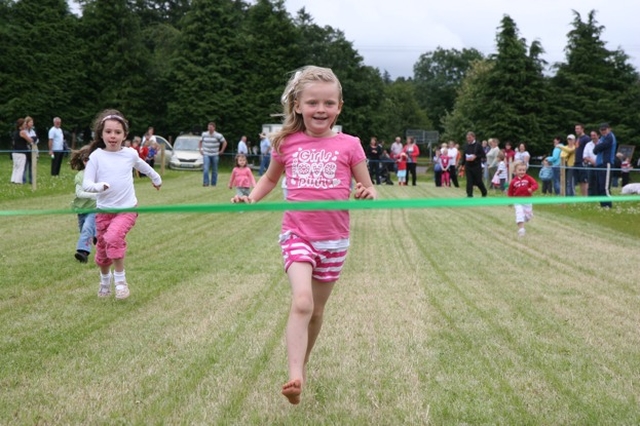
(605, 152)
(265, 153)
(568, 156)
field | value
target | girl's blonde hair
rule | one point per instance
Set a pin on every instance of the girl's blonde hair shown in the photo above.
(293, 121)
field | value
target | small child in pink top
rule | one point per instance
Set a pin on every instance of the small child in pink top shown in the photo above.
(319, 165)
(242, 177)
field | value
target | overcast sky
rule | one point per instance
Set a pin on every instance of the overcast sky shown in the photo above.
(392, 34)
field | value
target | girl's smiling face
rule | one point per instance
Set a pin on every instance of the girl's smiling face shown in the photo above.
(319, 104)
(113, 135)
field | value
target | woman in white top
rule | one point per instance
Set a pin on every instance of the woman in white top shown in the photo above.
(522, 155)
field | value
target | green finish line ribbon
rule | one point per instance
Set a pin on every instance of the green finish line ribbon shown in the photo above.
(384, 204)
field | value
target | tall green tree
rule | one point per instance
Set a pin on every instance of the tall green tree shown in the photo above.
(211, 50)
(515, 109)
(473, 89)
(402, 110)
(117, 62)
(39, 72)
(595, 84)
(272, 52)
(510, 100)
(438, 76)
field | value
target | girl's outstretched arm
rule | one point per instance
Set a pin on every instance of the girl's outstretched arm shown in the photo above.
(364, 186)
(265, 185)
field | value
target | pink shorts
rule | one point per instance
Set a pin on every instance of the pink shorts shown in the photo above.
(327, 263)
(111, 230)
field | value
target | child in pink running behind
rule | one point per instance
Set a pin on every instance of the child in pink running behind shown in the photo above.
(522, 185)
(242, 177)
(319, 165)
(108, 173)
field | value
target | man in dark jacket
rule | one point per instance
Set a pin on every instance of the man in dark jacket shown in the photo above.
(605, 151)
(472, 162)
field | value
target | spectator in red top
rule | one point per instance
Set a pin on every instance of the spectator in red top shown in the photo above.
(522, 185)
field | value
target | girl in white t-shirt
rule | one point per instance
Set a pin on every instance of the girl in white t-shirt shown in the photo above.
(108, 173)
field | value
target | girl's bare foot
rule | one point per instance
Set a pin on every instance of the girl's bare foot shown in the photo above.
(292, 390)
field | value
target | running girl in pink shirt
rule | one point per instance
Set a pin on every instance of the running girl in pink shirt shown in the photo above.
(319, 165)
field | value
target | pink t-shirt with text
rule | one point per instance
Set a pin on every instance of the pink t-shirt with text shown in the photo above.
(318, 169)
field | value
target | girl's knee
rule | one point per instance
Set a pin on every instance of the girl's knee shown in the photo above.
(302, 304)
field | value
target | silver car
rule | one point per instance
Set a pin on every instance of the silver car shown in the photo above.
(186, 153)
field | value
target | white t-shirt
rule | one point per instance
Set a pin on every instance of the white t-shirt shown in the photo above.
(242, 148)
(452, 153)
(114, 169)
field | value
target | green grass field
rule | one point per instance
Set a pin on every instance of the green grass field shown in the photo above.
(442, 316)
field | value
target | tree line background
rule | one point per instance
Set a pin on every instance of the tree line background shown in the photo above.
(177, 64)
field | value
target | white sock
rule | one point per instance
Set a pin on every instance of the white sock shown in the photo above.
(105, 280)
(119, 277)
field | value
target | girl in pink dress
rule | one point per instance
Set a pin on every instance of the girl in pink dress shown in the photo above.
(319, 164)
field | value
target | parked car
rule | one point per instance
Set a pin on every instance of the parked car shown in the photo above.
(186, 153)
(168, 151)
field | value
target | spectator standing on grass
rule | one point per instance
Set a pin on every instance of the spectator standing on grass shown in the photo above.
(580, 174)
(499, 179)
(522, 155)
(265, 153)
(437, 168)
(28, 175)
(21, 143)
(605, 152)
(492, 161)
(546, 176)
(401, 162)
(568, 159)
(242, 177)
(212, 145)
(555, 160)
(589, 162)
(108, 173)
(522, 185)
(412, 151)
(56, 146)
(83, 200)
(242, 146)
(444, 160)
(472, 162)
(454, 161)
(396, 148)
(314, 243)
(374, 154)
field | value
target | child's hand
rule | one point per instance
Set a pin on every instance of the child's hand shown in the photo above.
(241, 199)
(363, 193)
(157, 187)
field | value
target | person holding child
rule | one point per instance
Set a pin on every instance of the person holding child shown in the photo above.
(314, 243)
(108, 173)
(522, 185)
